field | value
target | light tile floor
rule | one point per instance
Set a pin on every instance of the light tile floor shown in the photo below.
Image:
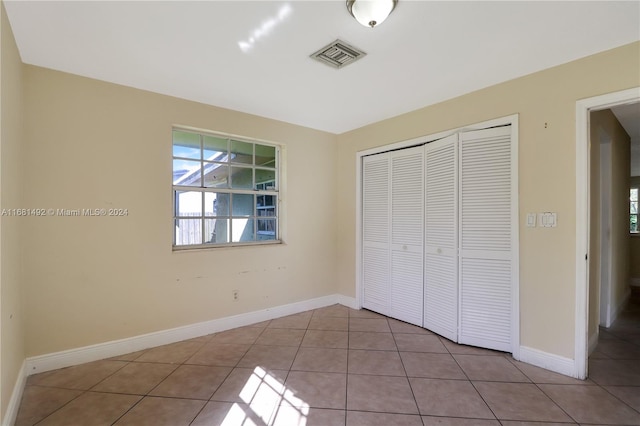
(338, 366)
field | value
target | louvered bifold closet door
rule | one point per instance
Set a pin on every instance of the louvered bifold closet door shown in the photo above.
(376, 233)
(407, 204)
(486, 215)
(441, 238)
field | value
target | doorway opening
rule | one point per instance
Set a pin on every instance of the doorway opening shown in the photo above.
(591, 299)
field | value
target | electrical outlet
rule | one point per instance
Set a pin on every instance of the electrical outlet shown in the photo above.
(236, 295)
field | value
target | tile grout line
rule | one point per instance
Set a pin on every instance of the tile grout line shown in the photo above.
(347, 366)
(622, 337)
(231, 368)
(83, 391)
(59, 408)
(544, 393)
(147, 395)
(299, 346)
(346, 391)
(278, 406)
(214, 391)
(235, 366)
(180, 364)
(129, 410)
(473, 385)
(619, 399)
(406, 375)
(276, 409)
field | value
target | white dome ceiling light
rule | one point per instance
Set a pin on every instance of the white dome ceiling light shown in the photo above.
(371, 13)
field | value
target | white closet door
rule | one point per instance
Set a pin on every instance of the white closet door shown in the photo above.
(441, 238)
(486, 216)
(376, 235)
(407, 204)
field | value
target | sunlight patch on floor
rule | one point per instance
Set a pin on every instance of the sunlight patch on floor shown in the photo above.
(267, 402)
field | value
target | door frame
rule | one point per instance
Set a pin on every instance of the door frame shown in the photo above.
(583, 188)
(511, 120)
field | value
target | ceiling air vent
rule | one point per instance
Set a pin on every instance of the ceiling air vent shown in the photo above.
(338, 54)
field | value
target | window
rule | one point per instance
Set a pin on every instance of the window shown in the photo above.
(225, 190)
(633, 210)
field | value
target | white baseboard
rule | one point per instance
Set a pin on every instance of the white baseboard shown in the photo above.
(548, 361)
(53, 361)
(16, 396)
(349, 302)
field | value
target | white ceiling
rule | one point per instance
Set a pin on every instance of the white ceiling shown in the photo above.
(254, 56)
(629, 117)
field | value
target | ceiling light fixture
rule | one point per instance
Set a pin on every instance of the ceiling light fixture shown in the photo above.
(371, 13)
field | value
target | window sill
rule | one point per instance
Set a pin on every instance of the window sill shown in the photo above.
(190, 248)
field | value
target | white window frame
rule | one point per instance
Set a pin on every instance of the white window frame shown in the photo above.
(258, 191)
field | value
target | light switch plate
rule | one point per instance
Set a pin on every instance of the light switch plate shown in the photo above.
(542, 220)
(547, 220)
(531, 220)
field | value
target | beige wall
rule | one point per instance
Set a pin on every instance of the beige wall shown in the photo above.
(12, 352)
(605, 128)
(546, 104)
(92, 144)
(634, 260)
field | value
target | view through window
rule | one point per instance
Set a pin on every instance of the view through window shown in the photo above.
(633, 210)
(225, 190)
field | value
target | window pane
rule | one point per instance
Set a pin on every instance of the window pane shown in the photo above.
(242, 205)
(265, 179)
(216, 175)
(266, 205)
(265, 156)
(241, 178)
(216, 231)
(242, 230)
(633, 194)
(188, 231)
(241, 152)
(215, 149)
(266, 229)
(634, 207)
(186, 172)
(186, 145)
(188, 203)
(181, 151)
(216, 204)
(634, 223)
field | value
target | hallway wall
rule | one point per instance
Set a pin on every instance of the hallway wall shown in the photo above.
(604, 124)
(634, 260)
